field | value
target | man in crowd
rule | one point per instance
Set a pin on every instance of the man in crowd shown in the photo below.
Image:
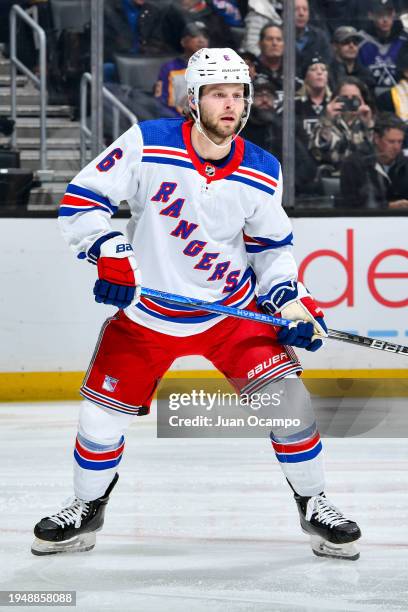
(310, 40)
(378, 179)
(346, 41)
(264, 128)
(384, 38)
(264, 123)
(270, 61)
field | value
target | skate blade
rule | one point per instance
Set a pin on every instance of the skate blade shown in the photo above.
(79, 543)
(323, 548)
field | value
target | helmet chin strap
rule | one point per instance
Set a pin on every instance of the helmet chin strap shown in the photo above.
(204, 133)
(197, 121)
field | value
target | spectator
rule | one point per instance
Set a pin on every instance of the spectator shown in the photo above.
(171, 85)
(346, 125)
(379, 178)
(395, 100)
(312, 97)
(263, 123)
(310, 40)
(260, 13)
(203, 10)
(138, 27)
(331, 14)
(243, 7)
(346, 41)
(250, 60)
(270, 61)
(264, 128)
(229, 11)
(383, 40)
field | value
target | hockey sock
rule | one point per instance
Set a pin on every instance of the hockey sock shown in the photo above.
(98, 449)
(297, 445)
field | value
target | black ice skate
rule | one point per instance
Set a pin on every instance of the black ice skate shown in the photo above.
(332, 535)
(74, 528)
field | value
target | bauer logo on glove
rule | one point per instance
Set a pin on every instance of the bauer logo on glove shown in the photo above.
(292, 301)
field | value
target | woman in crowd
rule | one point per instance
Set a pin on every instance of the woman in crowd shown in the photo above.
(346, 126)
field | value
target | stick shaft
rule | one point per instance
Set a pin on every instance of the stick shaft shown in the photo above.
(241, 313)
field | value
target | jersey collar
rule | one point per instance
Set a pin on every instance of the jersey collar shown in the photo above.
(206, 169)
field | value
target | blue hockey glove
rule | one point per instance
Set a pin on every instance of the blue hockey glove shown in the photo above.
(292, 301)
(119, 280)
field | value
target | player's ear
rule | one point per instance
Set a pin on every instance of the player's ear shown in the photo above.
(192, 102)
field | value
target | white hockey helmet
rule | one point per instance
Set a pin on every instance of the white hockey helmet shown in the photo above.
(214, 66)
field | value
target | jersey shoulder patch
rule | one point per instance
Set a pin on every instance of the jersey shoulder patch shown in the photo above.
(260, 160)
(162, 133)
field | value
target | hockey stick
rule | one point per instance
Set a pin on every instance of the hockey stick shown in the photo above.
(231, 311)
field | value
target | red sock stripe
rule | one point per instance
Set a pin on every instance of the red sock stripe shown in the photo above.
(298, 447)
(97, 455)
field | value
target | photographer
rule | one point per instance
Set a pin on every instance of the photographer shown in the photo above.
(346, 126)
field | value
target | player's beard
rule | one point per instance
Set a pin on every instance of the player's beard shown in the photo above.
(215, 130)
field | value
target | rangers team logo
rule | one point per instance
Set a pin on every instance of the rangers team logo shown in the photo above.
(209, 170)
(109, 384)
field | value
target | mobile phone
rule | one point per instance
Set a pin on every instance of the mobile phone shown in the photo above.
(350, 103)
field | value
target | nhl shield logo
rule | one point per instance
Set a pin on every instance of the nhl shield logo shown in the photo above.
(209, 170)
(109, 384)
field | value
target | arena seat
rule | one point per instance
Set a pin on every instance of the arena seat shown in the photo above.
(70, 14)
(331, 185)
(139, 72)
(15, 187)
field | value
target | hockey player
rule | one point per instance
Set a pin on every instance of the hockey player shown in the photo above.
(207, 221)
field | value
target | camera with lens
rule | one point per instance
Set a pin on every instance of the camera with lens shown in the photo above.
(350, 103)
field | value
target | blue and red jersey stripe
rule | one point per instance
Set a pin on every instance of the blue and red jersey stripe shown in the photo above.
(78, 199)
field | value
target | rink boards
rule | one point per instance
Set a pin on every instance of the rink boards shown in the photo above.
(356, 268)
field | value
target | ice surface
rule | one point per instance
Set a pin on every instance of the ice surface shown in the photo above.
(202, 525)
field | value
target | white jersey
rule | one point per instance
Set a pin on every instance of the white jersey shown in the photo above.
(199, 230)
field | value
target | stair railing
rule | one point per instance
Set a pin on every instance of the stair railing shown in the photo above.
(118, 109)
(40, 81)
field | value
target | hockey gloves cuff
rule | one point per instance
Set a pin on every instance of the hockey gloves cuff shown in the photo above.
(292, 301)
(119, 280)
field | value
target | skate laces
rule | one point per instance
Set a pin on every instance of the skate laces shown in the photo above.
(326, 512)
(71, 514)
